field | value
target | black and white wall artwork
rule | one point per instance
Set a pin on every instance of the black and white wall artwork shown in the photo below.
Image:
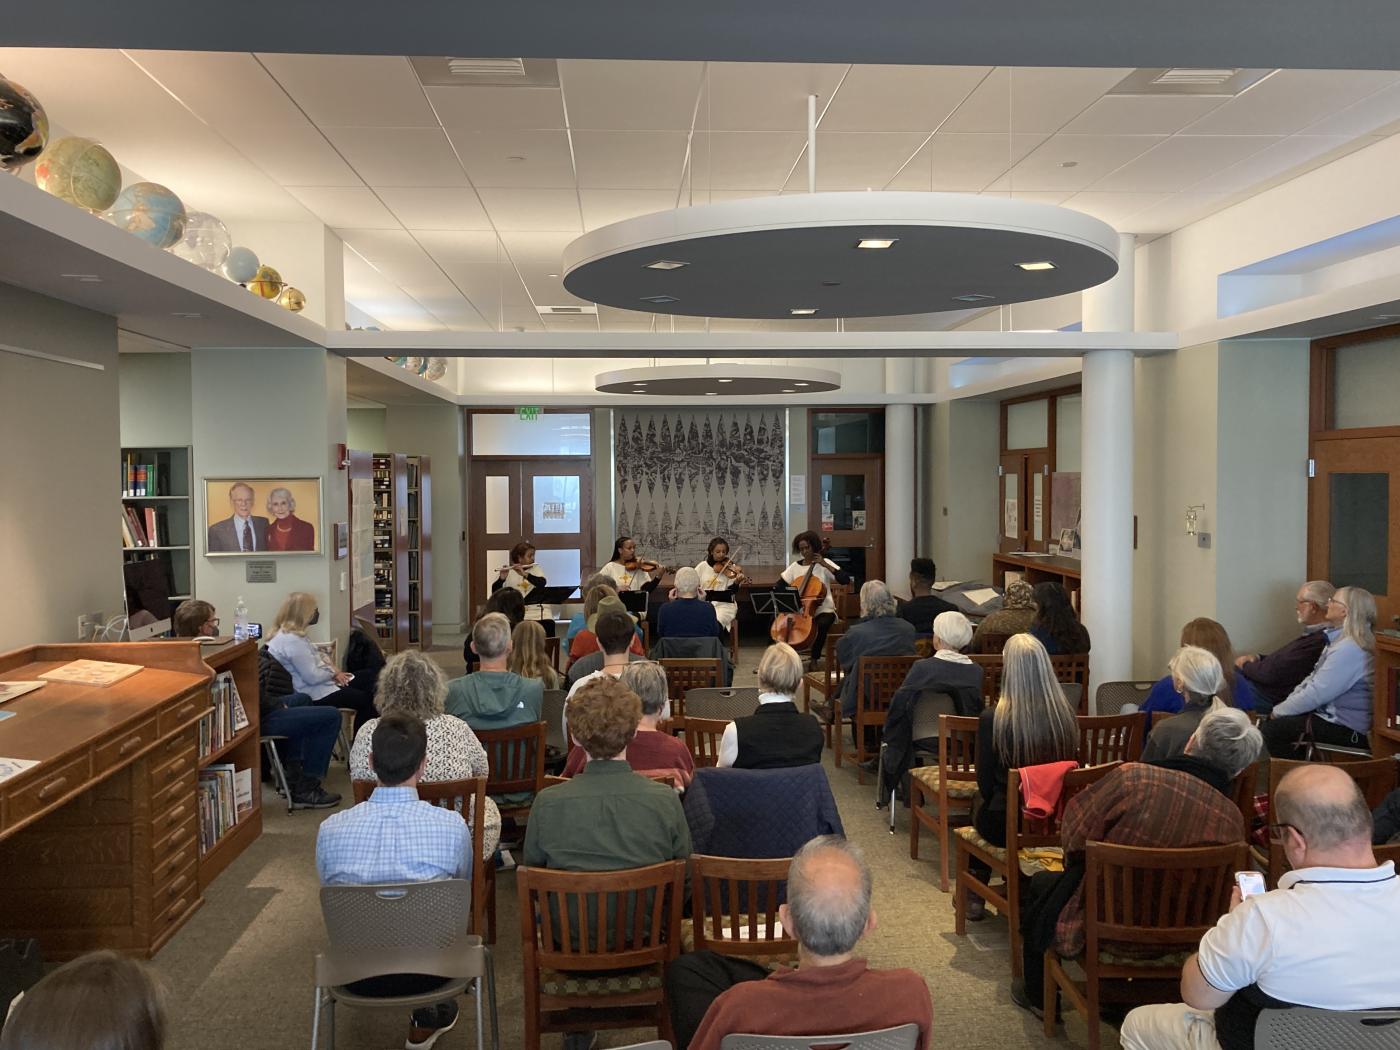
(686, 476)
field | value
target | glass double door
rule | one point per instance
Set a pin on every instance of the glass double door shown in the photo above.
(848, 510)
(1354, 517)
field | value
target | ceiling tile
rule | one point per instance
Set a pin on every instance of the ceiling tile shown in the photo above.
(549, 291)
(1178, 210)
(1113, 208)
(1290, 100)
(543, 160)
(601, 207)
(1030, 100)
(734, 160)
(1141, 114)
(452, 249)
(852, 161)
(533, 209)
(1180, 161)
(570, 323)
(484, 107)
(345, 207)
(764, 96)
(543, 250)
(435, 207)
(1091, 158)
(366, 91)
(629, 96)
(1278, 159)
(962, 163)
(518, 319)
(399, 156)
(395, 254)
(1374, 114)
(650, 160)
(1039, 196)
(900, 98)
(449, 306)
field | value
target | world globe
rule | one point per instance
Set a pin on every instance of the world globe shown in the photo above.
(81, 172)
(292, 299)
(151, 212)
(436, 369)
(267, 282)
(205, 241)
(24, 127)
(241, 265)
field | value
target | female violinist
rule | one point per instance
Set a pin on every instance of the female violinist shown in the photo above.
(522, 573)
(810, 555)
(630, 572)
(719, 573)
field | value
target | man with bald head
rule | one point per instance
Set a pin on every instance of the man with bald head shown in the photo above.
(1324, 938)
(832, 992)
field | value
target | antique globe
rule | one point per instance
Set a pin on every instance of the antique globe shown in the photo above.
(81, 172)
(24, 127)
(292, 299)
(241, 265)
(151, 212)
(205, 241)
(436, 369)
(267, 283)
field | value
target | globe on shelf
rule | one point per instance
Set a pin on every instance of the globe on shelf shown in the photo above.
(415, 364)
(292, 299)
(267, 282)
(436, 369)
(205, 241)
(241, 265)
(24, 127)
(81, 172)
(151, 212)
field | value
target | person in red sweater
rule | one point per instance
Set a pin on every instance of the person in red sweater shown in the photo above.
(832, 992)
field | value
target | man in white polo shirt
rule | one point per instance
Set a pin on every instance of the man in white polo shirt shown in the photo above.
(1325, 938)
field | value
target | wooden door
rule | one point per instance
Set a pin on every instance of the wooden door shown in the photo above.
(1354, 517)
(849, 510)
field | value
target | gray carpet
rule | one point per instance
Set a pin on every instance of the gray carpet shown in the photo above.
(239, 973)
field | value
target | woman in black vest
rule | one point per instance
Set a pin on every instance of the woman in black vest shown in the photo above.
(777, 735)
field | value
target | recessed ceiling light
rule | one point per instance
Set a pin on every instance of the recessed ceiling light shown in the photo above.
(972, 297)
(726, 380)
(1043, 264)
(831, 284)
(712, 393)
(659, 299)
(665, 264)
(86, 278)
(789, 390)
(551, 275)
(1386, 317)
(801, 384)
(515, 158)
(1069, 163)
(877, 242)
(186, 314)
(803, 311)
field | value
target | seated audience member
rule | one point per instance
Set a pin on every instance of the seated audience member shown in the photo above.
(777, 735)
(194, 619)
(494, 697)
(587, 641)
(947, 671)
(1015, 616)
(650, 751)
(687, 615)
(510, 604)
(580, 619)
(100, 1001)
(832, 991)
(1172, 804)
(1031, 724)
(1334, 701)
(311, 673)
(1276, 674)
(923, 604)
(412, 685)
(528, 658)
(1055, 625)
(311, 733)
(395, 837)
(363, 656)
(1235, 690)
(1386, 820)
(607, 817)
(615, 636)
(1196, 675)
(878, 632)
(1324, 939)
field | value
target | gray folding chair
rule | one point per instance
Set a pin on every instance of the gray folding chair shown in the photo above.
(905, 1037)
(1304, 1028)
(705, 702)
(401, 928)
(1074, 692)
(274, 762)
(1110, 697)
(552, 713)
(924, 720)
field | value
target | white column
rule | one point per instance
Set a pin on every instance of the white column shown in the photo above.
(899, 476)
(1106, 482)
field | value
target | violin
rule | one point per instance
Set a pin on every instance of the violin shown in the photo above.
(729, 569)
(633, 564)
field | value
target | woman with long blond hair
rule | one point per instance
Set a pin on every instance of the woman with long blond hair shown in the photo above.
(527, 656)
(311, 672)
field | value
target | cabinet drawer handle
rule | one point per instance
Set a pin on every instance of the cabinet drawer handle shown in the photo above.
(130, 745)
(176, 769)
(186, 711)
(53, 787)
(176, 815)
(178, 885)
(177, 909)
(175, 862)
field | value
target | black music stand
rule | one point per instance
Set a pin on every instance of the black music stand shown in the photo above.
(775, 602)
(551, 595)
(635, 601)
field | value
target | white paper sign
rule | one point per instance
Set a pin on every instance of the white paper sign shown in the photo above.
(1012, 525)
(797, 490)
(361, 542)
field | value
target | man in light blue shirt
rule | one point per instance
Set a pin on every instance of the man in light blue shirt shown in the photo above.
(395, 837)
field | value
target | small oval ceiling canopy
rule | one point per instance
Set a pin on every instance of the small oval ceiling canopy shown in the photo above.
(826, 255)
(718, 380)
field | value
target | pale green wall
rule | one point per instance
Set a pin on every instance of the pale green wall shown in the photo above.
(964, 443)
(364, 429)
(155, 399)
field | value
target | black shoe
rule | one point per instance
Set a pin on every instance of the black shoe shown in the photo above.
(313, 796)
(1021, 999)
(870, 765)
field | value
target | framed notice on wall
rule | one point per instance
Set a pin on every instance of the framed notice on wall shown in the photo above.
(361, 542)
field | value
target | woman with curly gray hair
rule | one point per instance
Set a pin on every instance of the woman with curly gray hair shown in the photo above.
(413, 685)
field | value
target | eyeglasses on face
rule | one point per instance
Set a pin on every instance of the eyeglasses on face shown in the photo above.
(1340, 605)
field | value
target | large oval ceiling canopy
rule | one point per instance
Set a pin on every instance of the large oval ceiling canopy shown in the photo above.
(718, 380)
(827, 255)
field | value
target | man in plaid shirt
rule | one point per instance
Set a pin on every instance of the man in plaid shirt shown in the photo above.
(1171, 803)
(395, 837)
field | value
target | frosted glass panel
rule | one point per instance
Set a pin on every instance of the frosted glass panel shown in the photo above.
(548, 434)
(494, 561)
(1028, 424)
(561, 567)
(1068, 414)
(1367, 385)
(498, 503)
(1010, 511)
(556, 503)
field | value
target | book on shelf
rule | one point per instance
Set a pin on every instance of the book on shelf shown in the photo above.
(145, 474)
(218, 802)
(91, 672)
(226, 717)
(243, 792)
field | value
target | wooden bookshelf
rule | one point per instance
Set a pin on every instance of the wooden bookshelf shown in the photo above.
(1385, 706)
(402, 551)
(164, 490)
(240, 659)
(1055, 569)
(419, 602)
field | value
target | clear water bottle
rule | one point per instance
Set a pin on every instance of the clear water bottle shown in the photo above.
(240, 620)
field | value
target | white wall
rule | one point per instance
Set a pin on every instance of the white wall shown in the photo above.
(58, 427)
(962, 477)
(155, 399)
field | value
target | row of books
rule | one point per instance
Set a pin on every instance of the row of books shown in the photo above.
(145, 479)
(226, 718)
(145, 527)
(225, 795)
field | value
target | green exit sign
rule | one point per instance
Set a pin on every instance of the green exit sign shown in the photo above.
(529, 413)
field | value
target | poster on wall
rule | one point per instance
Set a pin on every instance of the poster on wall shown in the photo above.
(1011, 525)
(361, 542)
(1064, 513)
(1037, 508)
(263, 516)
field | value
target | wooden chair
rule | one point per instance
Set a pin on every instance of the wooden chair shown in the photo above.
(827, 680)
(596, 945)
(661, 778)
(702, 736)
(1016, 860)
(877, 679)
(1111, 738)
(721, 703)
(1390, 851)
(734, 642)
(1375, 776)
(1157, 902)
(1110, 697)
(991, 665)
(1074, 667)
(951, 786)
(734, 905)
(901, 1037)
(552, 646)
(516, 759)
(683, 675)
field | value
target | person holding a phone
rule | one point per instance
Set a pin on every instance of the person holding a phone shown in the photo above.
(1324, 939)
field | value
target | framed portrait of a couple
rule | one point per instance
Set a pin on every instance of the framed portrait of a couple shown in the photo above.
(244, 517)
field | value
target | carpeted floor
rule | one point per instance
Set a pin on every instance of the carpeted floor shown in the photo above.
(239, 972)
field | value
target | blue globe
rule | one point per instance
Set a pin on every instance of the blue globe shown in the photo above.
(241, 265)
(151, 212)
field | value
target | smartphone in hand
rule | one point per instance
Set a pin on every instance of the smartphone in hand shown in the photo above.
(1251, 884)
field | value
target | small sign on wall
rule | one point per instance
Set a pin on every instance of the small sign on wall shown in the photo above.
(260, 571)
(527, 413)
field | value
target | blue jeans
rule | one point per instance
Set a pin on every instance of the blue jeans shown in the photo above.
(310, 732)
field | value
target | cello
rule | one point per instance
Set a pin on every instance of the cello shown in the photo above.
(796, 628)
